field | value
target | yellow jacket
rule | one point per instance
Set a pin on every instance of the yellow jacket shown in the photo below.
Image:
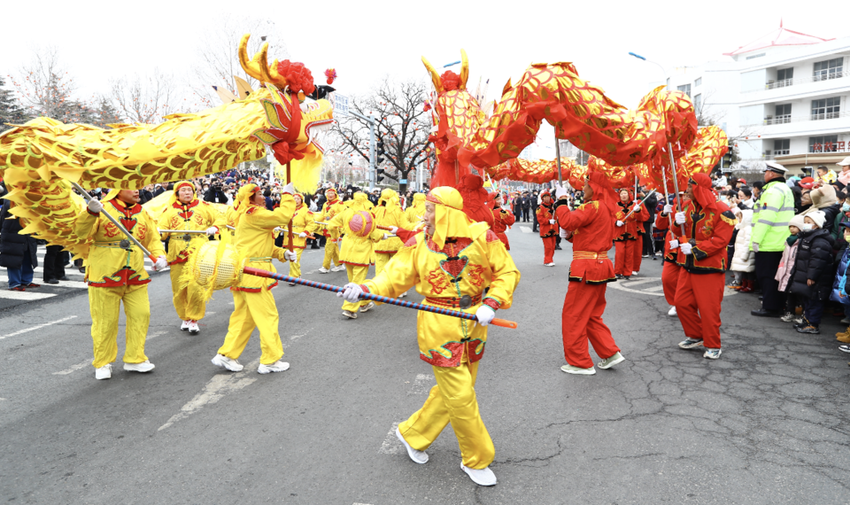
(255, 241)
(197, 215)
(416, 210)
(228, 233)
(480, 262)
(108, 265)
(388, 213)
(358, 245)
(329, 211)
(302, 222)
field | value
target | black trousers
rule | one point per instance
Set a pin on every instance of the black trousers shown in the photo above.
(766, 265)
(54, 263)
(647, 239)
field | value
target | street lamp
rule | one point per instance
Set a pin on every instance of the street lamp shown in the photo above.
(663, 72)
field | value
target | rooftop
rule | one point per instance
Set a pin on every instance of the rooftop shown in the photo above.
(779, 37)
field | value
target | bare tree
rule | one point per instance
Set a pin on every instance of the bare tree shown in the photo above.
(402, 127)
(218, 59)
(145, 100)
(46, 88)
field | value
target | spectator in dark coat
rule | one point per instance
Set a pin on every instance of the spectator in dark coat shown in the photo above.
(534, 205)
(518, 207)
(215, 194)
(526, 206)
(813, 271)
(18, 253)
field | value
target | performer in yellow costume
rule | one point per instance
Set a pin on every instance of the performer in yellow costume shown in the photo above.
(416, 210)
(331, 208)
(185, 212)
(357, 254)
(254, 305)
(388, 213)
(451, 264)
(302, 226)
(115, 272)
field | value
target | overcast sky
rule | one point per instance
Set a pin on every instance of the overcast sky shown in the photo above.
(366, 40)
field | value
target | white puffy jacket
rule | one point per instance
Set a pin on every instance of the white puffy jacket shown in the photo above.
(744, 260)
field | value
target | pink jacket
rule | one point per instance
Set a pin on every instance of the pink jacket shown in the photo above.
(786, 265)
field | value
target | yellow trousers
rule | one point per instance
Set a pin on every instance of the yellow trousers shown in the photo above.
(381, 261)
(331, 254)
(189, 300)
(452, 400)
(104, 304)
(253, 310)
(295, 266)
(356, 275)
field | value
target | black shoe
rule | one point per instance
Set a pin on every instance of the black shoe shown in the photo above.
(558, 248)
(654, 258)
(51, 281)
(314, 246)
(619, 276)
(809, 328)
(761, 298)
(82, 270)
(766, 313)
(64, 278)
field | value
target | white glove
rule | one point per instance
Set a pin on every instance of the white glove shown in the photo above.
(278, 230)
(386, 236)
(619, 223)
(94, 206)
(674, 244)
(485, 314)
(212, 230)
(551, 221)
(160, 264)
(680, 218)
(668, 209)
(755, 247)
(686, 248)
(302, 235)
(560, 192)
(394, 230)
(637, 208)
(350, 292)
(564, 234)
(290, 255)
(288, 189)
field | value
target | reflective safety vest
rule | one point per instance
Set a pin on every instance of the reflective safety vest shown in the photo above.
(771, 216)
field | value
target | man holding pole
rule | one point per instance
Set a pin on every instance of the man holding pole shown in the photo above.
(451, 264)
(116, 273)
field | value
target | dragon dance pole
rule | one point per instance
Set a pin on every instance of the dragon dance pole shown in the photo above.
(87, 197)
(675, 184)
(641, 203)
(666, 196)
(289, 226)
(377, 298)
(558, 158)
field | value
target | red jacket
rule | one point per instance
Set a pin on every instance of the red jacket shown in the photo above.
(592, 227)
(544, 214)
(629, 231)
(501, 220)
(708, 231)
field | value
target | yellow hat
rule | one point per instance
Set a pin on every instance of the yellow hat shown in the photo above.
(181, 184)
(450, 220)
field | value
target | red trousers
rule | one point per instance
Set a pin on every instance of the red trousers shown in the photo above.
(581, 320)
(669, 280)
(624, 257)
(549, 249)
(698, 299)
(638, 254)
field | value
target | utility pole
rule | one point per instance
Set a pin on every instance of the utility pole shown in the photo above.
(372, 124)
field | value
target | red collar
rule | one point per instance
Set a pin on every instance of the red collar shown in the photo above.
(193, 203)
(124, 208)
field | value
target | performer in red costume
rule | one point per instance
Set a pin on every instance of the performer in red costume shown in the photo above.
(670, 270)
(702, 255)
(626, 234)
(548, 228)
(642, 217)
(502, 218)
(591, 230)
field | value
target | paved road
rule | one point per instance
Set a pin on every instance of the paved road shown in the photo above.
(764, 424)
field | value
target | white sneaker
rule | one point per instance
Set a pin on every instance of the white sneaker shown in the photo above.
(418, 457)
(549, 264)
(143, 367)
(366, 308)
(104, 372)
(228, 363)
(405, 294)
(607, 363)
(338, 268)
(672, 312)
(323, 270)
(184, 326)
(194, 329)
(349, 314)
(578, 371)
(278, 366)
(634, 274)
(483, 477)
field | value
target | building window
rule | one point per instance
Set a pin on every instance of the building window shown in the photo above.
(698, 82)
(698, 103)
(784, 77)
(825, 144)
(829, 69)
(781, 147)
(782, 115)
(826, 108)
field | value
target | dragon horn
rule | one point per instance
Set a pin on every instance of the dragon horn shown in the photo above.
(435, 77)
(464, 69)
(258, 66)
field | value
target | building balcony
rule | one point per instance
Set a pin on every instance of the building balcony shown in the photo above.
(823, 75)
(798, 88)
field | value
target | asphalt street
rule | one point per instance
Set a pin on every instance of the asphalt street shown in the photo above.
(766, 423)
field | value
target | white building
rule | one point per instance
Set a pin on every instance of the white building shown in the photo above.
(782, 97)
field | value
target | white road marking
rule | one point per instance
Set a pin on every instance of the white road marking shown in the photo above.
(296, 337)
(37, 327)
(422, 384)
(654, 288)
(525, 229)
(25, 295)
(84, 364)
(71, 284)
(216, 388)
(391, 444)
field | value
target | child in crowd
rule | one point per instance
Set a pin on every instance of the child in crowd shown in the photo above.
(743, 262)
(812, 277)
(786, 268)
(839, 286)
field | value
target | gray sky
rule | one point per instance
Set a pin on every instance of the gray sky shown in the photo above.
(366, 40)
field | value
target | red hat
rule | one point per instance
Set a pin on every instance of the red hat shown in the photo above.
(806, 182)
